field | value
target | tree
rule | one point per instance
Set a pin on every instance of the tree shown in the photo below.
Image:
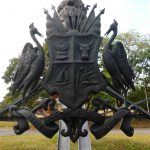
(8, 76)
(138, 50)
(137, 47)
(10, 70)
(138, 95)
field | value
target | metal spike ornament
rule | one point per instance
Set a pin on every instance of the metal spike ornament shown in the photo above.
(73, 40)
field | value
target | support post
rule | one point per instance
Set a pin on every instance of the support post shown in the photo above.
(64, 142)
(84, 143)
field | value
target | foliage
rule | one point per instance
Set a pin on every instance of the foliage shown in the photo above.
(139, 90)
(137, 47)
(8, 76)
(138, 50)
(139, 94)
(8, 98)
(10, 70)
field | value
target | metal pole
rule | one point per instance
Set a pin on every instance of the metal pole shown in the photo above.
(84, 143)
(63, 142)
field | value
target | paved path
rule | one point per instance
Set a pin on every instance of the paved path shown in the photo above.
(10, 132)
(136, 131)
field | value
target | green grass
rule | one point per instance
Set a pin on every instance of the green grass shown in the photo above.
(4, 124)
(135, 123)
(27, 142)
(122, 142)
(8, 125)
(109, 142)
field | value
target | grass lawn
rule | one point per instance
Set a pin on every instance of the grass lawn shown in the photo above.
(109, 142)
(135, 123)
(5, 124)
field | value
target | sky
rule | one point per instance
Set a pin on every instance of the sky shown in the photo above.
(17, 15)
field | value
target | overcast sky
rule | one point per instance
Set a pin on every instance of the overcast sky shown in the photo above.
(16, 15)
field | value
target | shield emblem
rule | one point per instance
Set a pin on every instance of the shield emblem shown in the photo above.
(73, 70)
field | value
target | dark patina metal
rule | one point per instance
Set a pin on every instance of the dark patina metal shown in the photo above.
(73, 40)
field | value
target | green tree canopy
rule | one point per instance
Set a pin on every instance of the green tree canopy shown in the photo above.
(10, 70)
(138, 50)
(8, 78)
(137, 47)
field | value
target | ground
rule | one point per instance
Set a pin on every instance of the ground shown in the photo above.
(115, 140)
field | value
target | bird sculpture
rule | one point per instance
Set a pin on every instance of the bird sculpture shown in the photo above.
(116, 63)
(30, 67)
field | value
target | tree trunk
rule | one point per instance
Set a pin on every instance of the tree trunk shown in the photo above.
(146, 95)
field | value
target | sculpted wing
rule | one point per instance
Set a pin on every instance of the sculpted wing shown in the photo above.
(27, 57)
(120, 57)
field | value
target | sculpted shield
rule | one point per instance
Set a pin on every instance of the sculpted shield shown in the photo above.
(73, 43)
(73, 71)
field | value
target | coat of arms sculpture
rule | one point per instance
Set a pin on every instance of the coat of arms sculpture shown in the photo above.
(73, 39)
